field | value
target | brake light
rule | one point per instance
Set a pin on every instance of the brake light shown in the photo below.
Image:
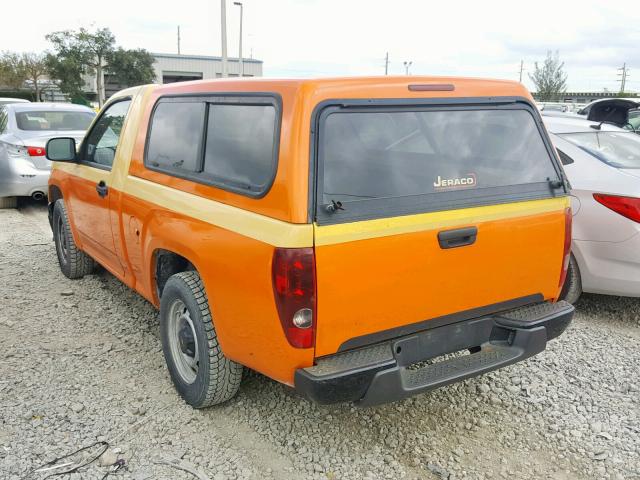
(294, 289)
(35, 151)
(566, 254)
(628, 207)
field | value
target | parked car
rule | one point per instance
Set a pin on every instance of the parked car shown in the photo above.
(6, 101)
(603, 165)
(24, 131)
(610, 110)
(331, 234)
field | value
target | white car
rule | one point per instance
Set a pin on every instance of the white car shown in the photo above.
(24, 131)
(602, 163)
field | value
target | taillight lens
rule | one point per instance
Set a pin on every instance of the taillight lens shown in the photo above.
(566, 254)
(294, 289)
(628, 207)
(35, 151)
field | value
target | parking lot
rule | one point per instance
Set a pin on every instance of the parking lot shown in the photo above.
(81, 362)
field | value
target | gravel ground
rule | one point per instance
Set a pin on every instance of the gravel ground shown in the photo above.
(81, 361)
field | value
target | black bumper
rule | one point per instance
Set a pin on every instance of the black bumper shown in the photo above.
(393, 370)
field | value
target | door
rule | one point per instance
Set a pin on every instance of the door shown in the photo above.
(431, 213)
(89, 193)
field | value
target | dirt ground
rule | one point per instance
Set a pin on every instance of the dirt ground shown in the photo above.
(81, 361)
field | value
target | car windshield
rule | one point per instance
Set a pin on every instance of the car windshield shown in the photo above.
(53, 120)
(618, 149)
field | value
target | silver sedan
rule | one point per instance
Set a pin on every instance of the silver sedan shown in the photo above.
(602, 163)
(24, 131)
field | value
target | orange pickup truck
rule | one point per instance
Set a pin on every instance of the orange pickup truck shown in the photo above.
(338, 235)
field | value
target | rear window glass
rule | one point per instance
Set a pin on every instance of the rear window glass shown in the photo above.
(618, 149)
(240, 145)
(369, 155)
(174, 141)
(53, 120)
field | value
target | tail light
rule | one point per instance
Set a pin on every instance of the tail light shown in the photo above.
(566, 254)
(628, 207)
(35, 151)
(294, 289)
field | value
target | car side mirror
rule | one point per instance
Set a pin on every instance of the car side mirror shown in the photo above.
(61, 149)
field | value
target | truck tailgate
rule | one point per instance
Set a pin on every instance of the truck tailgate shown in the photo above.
(380, 278)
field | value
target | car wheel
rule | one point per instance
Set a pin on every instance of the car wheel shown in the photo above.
(8, 202)
(74, 263)
(201, 373)
(572, 288)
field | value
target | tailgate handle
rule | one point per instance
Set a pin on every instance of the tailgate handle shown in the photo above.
(459, 237)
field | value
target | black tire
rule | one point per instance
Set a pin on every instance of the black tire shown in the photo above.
(201, 373)
(572, 288)
(74, 263)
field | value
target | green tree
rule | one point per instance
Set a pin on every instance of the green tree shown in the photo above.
(550, 79)
(131, 67)
(81, 51)
(35, 67)
(12, 72)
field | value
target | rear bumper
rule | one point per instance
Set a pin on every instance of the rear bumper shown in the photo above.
(393, 370)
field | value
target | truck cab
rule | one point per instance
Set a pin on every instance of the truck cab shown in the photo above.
(337, 235)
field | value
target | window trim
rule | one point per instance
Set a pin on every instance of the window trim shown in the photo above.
(221, 98)
(369, 209)
(83, 146)
(564, 158)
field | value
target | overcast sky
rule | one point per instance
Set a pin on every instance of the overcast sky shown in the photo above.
(306, 38)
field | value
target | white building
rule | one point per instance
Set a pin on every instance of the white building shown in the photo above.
(175, 68)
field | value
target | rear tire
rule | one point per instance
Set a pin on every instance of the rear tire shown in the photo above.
(572, 288)
(8, 202)
(74, 263)
(201, 373)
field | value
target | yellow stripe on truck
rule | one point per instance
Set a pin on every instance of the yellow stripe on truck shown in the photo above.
(384, 227)
(259, 227)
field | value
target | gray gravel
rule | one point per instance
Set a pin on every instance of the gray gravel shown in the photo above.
(81, 361)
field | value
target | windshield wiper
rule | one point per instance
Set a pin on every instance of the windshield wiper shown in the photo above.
(334, 206)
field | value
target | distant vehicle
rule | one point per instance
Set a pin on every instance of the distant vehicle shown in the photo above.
(602, 162)
(7, 101)
(611, 110)
(556, 107)
(24, 131)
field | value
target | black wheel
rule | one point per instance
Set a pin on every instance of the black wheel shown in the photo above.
(572, 288)
(74, 263)
(200, 372)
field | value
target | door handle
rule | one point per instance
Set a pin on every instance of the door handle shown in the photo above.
(102, 189)
(459, 237)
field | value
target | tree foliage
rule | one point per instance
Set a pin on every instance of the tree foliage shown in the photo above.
(18, 69)
(131, 67)
(81, 51)
(550, 79)
(35, 67)
(12, 72)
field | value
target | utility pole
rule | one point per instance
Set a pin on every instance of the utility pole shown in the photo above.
(623, 76)
(178, 39)
(521, 69)
(239, 4)
(406, 67)
(223, 29)
(386, 64)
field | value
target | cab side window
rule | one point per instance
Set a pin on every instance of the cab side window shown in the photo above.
(102, 142)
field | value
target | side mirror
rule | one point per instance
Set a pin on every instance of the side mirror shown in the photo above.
(61, 149)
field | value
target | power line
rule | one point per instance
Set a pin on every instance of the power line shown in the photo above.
(521, 69)
(623, 76)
